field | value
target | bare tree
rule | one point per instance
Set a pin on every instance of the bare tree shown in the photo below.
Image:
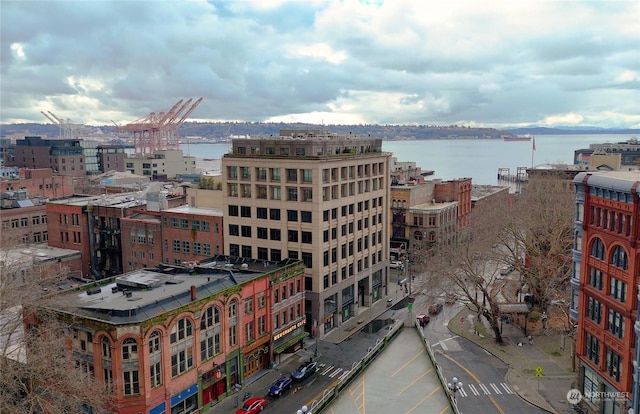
(468, 268)
(38, 371)
(537, 236)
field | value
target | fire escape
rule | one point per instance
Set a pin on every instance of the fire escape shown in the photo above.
(159, 131)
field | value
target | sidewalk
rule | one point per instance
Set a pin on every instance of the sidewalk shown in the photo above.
(551, 351)
(259, 383)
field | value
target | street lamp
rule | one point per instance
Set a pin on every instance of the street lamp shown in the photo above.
(303, 410)
(454, 387)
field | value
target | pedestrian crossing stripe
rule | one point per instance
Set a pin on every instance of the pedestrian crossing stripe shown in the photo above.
(482, 389)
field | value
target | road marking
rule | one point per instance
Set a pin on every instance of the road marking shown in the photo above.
(334, 373)
(484, 389)
(463, 392)
(344, 374)
(414, 381)
(495, 388)
(474, 377)
(473, 389)
(506, 388)
(407, 363)
(423, 400)
(326, 371)
(446, 407)
(444, 347)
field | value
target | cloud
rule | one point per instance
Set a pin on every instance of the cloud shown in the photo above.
(491, 63)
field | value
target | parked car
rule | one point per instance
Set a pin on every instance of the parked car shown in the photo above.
(304, 371)
(396, 264)
(279, 387)
(252, 406)
(422, 319)
(435, 308)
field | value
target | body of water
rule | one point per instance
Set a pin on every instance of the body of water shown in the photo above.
(450, 159)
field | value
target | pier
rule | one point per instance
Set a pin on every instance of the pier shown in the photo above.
(504, 174)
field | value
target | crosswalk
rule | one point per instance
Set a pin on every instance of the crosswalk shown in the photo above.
(332, 371)
(470, 390)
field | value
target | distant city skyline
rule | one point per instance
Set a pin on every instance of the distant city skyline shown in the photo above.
(494, 64)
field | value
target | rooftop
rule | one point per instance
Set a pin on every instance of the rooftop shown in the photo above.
(202, 211)
(143, 294)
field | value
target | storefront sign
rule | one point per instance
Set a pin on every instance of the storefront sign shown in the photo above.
(288, 330)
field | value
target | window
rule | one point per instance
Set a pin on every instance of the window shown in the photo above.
(233, 322)
(597, 249)
(248, 305)
(292, 235)
(594, 310)
(305, 216)
(184, 223)
(131, 382)
(182, 351)
(155, 359)
(245, 211)
(292, 193)
(186, 248)
(261, 213)
(261, 299)
(292, 175)
(307, 258)
(262, 233)
(195, 225)
(592, 350)
(129, 350)
(619, 258)
(274, 213)
(618, 289)
(246, 231)
(292, 215)
(249, 334)
(234, 230)
(233, 211)
(274, 234)
(210, 333)
(613, 365)
(615, 323)
(275, 174)
(595, 278)
(232, 171)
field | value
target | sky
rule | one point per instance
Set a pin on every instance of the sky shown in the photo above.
(486, 63)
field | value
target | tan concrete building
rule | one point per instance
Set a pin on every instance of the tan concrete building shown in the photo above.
(164, 164)
(319, 197)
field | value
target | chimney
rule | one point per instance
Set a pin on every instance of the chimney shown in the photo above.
(193, 292)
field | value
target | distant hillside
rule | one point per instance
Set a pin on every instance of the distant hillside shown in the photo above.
(387, 132)
(570, 131)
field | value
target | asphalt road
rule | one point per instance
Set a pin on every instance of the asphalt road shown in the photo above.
(482, 374)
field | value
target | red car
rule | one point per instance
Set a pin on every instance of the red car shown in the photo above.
(252, 406)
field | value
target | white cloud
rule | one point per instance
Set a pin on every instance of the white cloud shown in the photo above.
(487, 63)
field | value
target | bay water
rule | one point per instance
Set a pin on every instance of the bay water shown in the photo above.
(478, 159)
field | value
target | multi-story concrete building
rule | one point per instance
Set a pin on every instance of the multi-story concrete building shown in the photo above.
(75, 157)
(319, 197)
(179, 339)
(606, 265)
(164, 164)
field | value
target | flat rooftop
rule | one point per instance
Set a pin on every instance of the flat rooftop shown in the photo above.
(202, 211)
(143, 294)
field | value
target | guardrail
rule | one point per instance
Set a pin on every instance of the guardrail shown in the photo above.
(317, 405)
(437, 368)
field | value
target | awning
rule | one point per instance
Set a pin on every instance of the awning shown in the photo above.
(290, 342)
(513, 308)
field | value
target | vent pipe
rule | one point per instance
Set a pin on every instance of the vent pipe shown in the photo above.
(193, 292)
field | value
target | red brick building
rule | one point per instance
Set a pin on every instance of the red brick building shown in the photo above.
(191, 233)
(142, 240)
(179, 339)
(39, 183)
(604, 285)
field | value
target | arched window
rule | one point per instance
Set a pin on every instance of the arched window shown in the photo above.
(233, 323)
(418, 235)
(129, 350)
(210, 333)
(181, 347)
(619, 258)
(105, 344)
(597, 249)
(155, 360)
